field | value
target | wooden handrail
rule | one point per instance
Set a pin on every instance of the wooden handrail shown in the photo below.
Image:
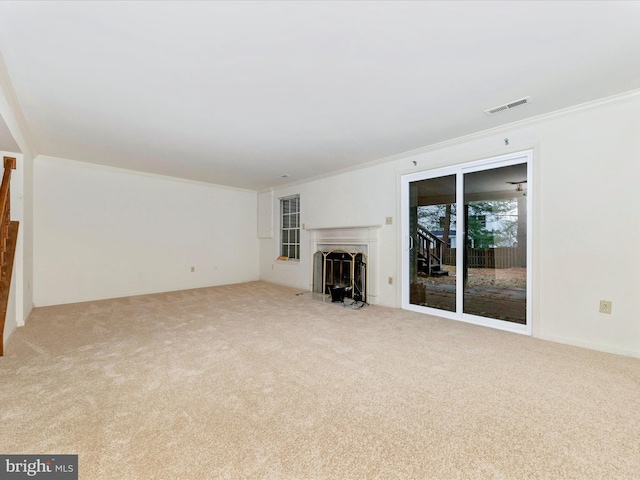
(8, 241)
(5, 210)
(429, 235)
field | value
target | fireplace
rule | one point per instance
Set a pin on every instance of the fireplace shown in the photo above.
(340, 274)
(344, 262)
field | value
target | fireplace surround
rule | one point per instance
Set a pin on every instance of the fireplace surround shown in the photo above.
(345, 257)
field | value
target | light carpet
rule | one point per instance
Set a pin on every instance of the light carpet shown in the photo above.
(252, 381)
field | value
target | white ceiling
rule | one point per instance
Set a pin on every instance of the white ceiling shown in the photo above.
(240, 93)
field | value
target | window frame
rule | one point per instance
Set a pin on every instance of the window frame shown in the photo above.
(289, 228)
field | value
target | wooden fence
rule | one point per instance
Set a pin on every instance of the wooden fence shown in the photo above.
(500, 257)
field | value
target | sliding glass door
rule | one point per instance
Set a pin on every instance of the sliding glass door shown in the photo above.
(466, 247)
(432, 242)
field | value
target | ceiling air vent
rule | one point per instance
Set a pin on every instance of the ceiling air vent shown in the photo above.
(508, 106)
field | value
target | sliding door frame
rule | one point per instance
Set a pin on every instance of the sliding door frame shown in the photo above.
(523, 157)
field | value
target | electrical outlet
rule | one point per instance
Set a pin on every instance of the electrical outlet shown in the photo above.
(390, 281)
(389, 220)
(605, 306)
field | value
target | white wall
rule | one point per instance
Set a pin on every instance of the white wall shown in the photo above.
(586, 170)
(25, 236)
(339, 201)
(103, 232)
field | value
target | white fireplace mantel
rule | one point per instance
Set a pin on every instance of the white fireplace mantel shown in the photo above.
(354, 235)
(355, 239)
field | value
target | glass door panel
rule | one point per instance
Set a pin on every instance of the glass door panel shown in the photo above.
(466, 230)
(432, 254)
(495, 267)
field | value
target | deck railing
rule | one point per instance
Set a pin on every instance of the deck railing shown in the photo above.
(497, 257)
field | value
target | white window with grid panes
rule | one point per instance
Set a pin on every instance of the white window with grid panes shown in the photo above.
(290, 228)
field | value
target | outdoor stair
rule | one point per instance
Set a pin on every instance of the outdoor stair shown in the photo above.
(430, 251)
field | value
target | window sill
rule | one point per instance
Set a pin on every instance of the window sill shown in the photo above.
(287, 261)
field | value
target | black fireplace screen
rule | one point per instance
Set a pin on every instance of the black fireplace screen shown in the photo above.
(341, 269)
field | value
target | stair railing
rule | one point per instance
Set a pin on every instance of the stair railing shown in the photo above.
(8, 242)
(431, 248)
(5, 214)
